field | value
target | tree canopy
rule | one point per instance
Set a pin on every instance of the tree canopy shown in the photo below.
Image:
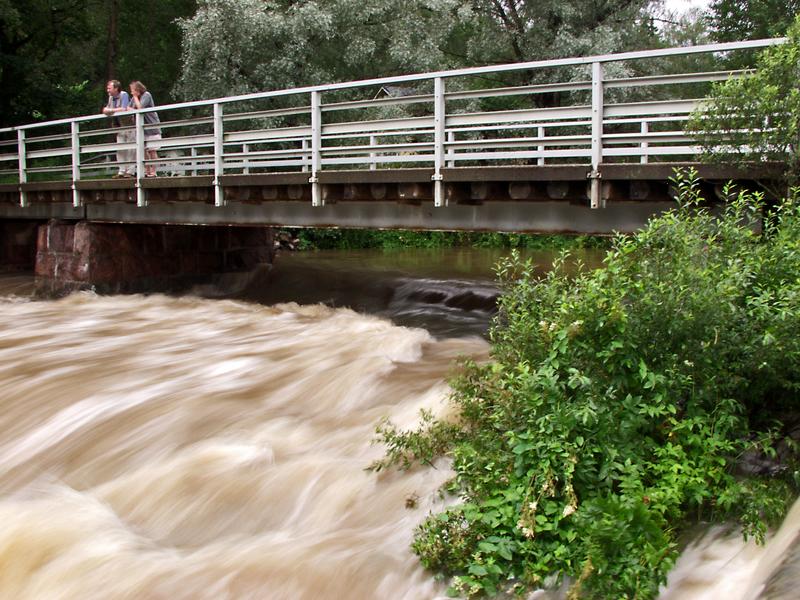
(235, 46)
(733, 20)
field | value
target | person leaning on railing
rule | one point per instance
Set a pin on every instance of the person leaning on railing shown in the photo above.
(141, 98)
(118, 102)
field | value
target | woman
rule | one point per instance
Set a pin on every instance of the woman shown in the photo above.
(141, 98)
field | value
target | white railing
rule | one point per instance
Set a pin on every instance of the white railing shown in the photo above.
(444, 119)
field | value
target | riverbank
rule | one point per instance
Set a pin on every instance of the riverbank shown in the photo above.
(358, 239)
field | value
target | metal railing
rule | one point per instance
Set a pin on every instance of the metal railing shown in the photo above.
(440, 120)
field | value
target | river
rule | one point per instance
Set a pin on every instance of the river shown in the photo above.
(214, 445)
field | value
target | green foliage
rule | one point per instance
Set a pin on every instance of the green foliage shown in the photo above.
(756, 117)
(429, 441)
(349, 239)
(618, 405)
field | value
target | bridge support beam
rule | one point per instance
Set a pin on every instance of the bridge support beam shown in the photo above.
(114, 258)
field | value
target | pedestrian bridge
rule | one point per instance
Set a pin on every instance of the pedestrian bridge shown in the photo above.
(585, 145)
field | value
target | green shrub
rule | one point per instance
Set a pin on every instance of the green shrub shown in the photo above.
(617, 405)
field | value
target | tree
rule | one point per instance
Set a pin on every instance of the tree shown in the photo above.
(150, 44)
(523, 30)
(55, 55)
(756, 118)
(44, 46)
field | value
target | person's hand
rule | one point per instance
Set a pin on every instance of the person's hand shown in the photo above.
(107, 111)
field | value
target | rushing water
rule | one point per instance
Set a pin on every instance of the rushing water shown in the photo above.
(449, 292)
(156, 447)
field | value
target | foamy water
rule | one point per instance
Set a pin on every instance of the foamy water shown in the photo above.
(156, 447)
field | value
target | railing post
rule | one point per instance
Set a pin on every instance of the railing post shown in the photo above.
(645, 145)
(596, 200)
(438, 141)
(219, 198)
(372, 164)
(451, 137)
(23, 166)
(246, 151)
(76, 162)
(304, 161)
(316, 149)
(140, 171)
(540, 135)
(193, 161)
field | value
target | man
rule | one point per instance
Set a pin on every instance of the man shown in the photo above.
(118, 101)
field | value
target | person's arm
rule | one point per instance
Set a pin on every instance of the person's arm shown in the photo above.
(146, 100)
(123, 105)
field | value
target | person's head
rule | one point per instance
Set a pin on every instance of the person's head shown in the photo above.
(137, 88)
(113, 87)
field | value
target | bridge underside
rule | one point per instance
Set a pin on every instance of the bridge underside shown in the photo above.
(524, 199)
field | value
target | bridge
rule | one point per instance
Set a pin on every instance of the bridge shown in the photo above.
(444, 150)
(586, 145)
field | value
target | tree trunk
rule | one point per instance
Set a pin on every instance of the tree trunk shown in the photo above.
(111, 48)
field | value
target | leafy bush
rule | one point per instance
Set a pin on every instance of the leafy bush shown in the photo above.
(618, 406)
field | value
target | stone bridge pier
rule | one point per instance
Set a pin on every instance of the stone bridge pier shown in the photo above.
(122, 258)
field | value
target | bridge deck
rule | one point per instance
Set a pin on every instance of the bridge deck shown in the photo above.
(513, 199)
